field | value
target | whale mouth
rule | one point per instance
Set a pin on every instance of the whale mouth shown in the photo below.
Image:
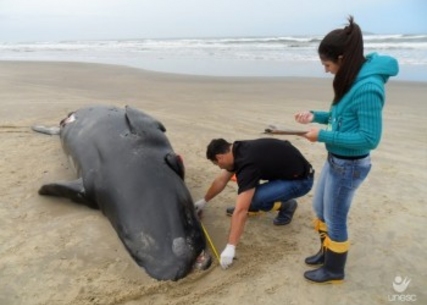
(203, 261)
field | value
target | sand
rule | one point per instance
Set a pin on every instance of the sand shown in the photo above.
(53, 251)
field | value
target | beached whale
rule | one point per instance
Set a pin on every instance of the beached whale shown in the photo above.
(127, 168)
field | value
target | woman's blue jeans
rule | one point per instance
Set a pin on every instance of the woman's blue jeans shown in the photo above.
(335, 190)
(266, 194)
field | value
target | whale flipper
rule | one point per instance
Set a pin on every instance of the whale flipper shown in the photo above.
(175, 162)
(73, 190)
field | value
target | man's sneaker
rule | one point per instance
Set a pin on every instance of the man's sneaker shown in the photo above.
(286, 212)
(251, 211)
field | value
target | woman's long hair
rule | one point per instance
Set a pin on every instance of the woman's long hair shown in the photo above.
(343, 46)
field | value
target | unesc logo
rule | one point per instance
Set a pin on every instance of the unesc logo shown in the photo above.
(400, 285)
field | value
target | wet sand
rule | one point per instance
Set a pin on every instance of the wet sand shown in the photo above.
(53, 251)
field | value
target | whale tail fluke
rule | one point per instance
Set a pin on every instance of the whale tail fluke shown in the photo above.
(46, 130)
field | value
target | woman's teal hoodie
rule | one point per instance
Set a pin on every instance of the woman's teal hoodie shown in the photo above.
(355, 123)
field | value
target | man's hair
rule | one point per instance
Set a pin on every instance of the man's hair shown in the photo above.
(217, 146)
(348, 43)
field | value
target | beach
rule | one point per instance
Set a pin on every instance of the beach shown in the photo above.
(54, 251)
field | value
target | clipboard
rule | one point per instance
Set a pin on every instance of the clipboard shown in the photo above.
(285, 132)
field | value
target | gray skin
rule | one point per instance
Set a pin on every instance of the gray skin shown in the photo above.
(127, 169)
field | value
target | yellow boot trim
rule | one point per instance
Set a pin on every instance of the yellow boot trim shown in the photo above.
(335, 246)
(320, 225)
(277, 205)
(323, 235)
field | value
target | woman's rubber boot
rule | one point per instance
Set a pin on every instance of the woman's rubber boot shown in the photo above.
(332, 272)
(318, 258)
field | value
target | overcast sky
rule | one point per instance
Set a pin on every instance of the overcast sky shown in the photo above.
(47, 20)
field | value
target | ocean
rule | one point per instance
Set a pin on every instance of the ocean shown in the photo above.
(245, 56)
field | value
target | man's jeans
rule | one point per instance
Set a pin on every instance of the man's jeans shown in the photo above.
(335, 190)
(266, 194)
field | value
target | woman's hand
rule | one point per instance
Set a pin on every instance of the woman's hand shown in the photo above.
(304, 117)
(312, 135)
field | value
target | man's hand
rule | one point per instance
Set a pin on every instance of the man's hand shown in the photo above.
(227, 256)
(199, 205)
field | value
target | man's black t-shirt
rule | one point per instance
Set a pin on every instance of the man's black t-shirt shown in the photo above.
(267, 159)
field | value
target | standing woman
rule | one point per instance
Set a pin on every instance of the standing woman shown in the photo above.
(354, 125)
